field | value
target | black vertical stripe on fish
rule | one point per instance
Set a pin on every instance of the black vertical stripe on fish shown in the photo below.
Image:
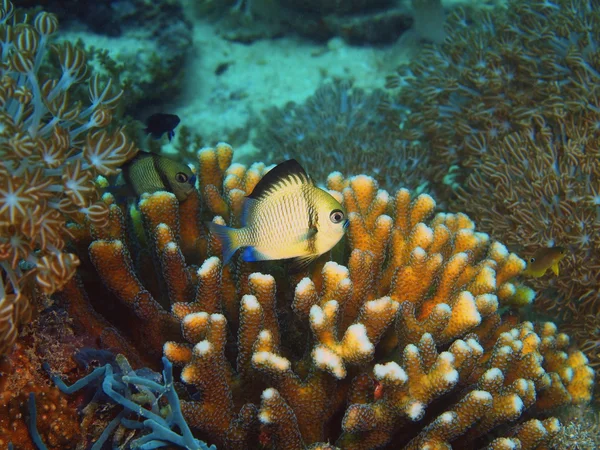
(311, 238)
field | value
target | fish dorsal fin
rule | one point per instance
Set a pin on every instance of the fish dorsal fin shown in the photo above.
(287, 173)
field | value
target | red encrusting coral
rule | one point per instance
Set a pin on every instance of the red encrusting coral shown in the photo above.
(48, 339)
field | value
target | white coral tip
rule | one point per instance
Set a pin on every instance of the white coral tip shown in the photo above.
(391, 371)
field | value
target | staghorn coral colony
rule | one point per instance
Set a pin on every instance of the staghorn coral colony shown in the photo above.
(406, 331)
(406, 335)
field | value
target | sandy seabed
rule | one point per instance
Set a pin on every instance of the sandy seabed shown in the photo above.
(259, 75)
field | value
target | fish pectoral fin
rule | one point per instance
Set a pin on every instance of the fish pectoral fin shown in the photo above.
(554, 268)
(118, 180)
(300, 263)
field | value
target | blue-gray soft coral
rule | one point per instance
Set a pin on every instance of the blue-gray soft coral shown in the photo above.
(139, 393)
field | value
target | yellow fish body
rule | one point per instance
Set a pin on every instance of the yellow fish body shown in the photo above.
(544, 259)
(286, 216)
(148, 172)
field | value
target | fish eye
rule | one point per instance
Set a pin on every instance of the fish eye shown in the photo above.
(532, 260)
(336, 216)
(181, 177)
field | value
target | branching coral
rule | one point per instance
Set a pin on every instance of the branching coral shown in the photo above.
(51, 149)
(339, 128)
(402, 344)
(586, 332)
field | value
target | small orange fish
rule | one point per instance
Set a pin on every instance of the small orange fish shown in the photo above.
(544, 259)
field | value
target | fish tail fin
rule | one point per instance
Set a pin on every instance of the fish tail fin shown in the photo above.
(227, 237)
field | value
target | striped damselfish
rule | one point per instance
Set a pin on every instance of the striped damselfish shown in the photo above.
(149, 172)
(285, 217)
